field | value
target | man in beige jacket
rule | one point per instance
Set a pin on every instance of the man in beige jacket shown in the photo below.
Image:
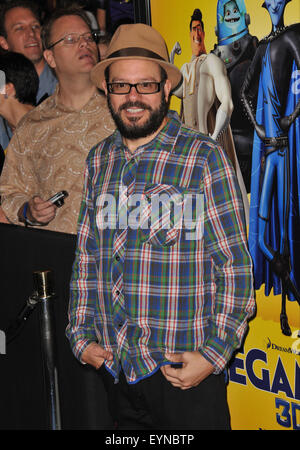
(48, 150)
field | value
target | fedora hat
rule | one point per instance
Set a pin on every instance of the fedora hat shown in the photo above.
(137, 41)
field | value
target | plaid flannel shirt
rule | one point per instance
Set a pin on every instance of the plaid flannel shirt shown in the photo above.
(178, 294)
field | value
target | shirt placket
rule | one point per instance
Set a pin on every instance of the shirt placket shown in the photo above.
(127, 184)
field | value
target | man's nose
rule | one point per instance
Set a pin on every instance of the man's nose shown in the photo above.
(31, 31)
(133, 93)
(82, 41)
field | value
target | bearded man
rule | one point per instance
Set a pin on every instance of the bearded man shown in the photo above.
(157, 305)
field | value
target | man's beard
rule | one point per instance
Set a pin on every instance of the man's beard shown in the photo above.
(136, 131)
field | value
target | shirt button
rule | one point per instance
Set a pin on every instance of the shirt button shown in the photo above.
(118, 258)
(118, 292)
(120, 325)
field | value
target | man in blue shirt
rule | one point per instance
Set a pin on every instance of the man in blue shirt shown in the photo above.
(20, 30)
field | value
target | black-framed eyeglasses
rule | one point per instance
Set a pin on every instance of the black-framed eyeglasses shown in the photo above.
(73, 38)
(145, 87)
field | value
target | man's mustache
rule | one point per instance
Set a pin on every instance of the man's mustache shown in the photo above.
(134, 105)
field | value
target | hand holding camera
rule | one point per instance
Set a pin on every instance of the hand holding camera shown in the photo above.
(39, 212)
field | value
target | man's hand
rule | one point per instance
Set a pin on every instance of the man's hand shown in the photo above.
(195, 368)
(95, 355)
(40, 210)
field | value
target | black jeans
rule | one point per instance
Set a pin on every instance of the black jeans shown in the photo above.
(153, 403)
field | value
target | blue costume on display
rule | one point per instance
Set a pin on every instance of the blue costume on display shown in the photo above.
(274, 228)
(236, 47)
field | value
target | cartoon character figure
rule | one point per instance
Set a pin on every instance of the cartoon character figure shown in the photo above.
(275, 202)
(204, 79)
(206, 95)
(232, 21)
(236, 47)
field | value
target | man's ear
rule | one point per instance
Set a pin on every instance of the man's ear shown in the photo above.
(167, 89)
(10, 90)
(3, 43)
(104, 87)
(48, 55)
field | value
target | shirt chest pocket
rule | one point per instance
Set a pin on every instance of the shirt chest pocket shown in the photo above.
(162, 215)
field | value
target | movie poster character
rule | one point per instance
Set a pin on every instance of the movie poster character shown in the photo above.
(236, 47)
(206, 95)
(274, 228)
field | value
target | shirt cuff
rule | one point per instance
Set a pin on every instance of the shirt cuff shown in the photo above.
(217, 352)
(11, 205)
(79, 346)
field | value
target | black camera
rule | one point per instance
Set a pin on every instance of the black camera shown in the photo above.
(58, 198)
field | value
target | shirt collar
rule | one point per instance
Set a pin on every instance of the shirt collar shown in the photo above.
(88, 107)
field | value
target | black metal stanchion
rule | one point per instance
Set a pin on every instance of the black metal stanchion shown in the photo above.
(44, 294)
(42, 298)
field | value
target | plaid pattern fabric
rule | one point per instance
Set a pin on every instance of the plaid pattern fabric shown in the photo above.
(177, 294)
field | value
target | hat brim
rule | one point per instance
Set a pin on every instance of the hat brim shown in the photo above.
(173, 73)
